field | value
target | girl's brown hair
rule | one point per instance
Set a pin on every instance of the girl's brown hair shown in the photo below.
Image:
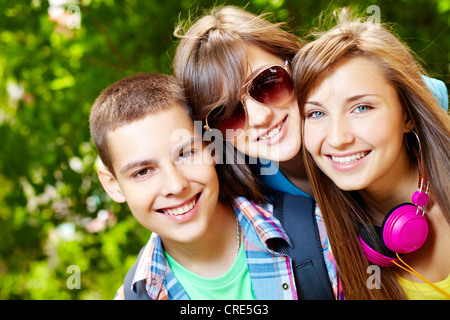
(210, 63)
(344, 212)
(210, 60)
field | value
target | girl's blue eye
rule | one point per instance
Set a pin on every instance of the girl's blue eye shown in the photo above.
(316, 114)
(362, 108)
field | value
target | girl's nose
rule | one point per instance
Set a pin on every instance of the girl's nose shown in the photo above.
(258, 114)
(339, 134)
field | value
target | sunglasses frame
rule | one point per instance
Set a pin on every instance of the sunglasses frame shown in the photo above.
(245, 86)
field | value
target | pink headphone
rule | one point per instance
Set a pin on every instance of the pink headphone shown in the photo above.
(404, 230)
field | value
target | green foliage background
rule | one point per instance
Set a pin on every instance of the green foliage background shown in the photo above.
(50, 74)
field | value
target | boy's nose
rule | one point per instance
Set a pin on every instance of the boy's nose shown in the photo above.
(173, 181)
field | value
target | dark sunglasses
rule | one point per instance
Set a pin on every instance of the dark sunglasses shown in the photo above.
(272, 86)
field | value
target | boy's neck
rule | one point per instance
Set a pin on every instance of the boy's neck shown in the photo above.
(213, 254)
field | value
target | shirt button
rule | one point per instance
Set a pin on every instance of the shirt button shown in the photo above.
(154, 282)
(285, 286)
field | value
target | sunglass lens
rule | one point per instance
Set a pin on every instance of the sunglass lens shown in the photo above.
(272, 86)
(232, 125)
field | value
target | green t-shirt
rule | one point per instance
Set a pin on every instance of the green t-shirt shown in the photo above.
(235, 284)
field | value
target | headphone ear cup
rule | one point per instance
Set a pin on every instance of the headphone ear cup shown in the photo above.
(372, 244)
(404, 231)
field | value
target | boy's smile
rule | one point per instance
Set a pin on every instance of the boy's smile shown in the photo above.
(183, 212)
(182, 208)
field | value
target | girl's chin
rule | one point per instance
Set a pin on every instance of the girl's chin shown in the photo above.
(283, 151)
(274, 153)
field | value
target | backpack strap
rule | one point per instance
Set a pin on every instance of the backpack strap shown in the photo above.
(141, 292)
(297, 215)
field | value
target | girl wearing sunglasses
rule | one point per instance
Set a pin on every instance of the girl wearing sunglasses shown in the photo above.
(375, 139)
(234, 67)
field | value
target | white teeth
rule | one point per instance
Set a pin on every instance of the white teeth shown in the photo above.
(349, 159)
(272, 132)
(181, 209)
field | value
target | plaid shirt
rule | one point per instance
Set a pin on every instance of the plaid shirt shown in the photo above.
(328, 257)
(270, 272)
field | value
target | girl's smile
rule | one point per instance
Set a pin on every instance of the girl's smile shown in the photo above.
(347, 162)
(273, 132)
(355, 126)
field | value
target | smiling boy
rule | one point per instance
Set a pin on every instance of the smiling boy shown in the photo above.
(207, 241)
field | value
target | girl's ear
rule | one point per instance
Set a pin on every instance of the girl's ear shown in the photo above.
(111, 185)
(409, 125)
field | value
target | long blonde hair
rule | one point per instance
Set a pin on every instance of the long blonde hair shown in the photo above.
(344, 212)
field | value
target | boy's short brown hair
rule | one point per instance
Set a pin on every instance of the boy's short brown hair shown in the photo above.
(128, 100)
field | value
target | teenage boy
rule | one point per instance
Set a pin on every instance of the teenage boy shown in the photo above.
(204, 244)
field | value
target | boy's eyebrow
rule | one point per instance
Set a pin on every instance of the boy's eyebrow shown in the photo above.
(186, 143)
(137, 164)
(147, 162)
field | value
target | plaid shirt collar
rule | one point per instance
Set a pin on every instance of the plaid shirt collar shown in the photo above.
(258, 222)
(258, 227)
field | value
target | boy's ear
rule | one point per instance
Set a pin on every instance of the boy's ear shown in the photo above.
(110, 185)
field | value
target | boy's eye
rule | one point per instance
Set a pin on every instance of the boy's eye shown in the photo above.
(142, 173)
(184, 154)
